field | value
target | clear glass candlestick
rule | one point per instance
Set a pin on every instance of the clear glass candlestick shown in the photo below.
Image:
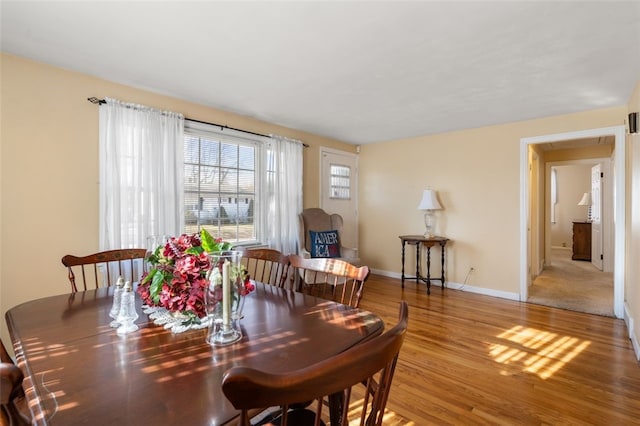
(222, 296)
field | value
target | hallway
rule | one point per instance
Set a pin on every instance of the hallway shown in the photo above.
(574, 285)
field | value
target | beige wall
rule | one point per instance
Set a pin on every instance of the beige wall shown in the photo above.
(49, 169)
(632, 277)
(477, 175)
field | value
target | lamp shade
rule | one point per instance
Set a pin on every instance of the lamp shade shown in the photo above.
(585, 200)
(429, 201)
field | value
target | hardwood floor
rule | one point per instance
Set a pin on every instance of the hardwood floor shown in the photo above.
(473, 359)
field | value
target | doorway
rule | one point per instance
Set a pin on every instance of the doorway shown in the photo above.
(339, 190)
(618, 234)
(572, 275)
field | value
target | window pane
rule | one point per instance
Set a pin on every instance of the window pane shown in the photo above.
(229, 155)
(340, 182)
(191, 150)
(191, 176)
(209, 178)
(209, 152)
(228, 182)
(247, 158)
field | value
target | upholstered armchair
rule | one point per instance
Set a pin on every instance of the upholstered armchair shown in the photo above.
(317, 220)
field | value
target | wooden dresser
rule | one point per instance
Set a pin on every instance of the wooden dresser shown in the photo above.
(581, 241)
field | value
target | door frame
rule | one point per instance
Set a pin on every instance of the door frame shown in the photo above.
(619, 206)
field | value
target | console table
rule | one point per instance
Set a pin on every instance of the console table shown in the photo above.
(427, 242)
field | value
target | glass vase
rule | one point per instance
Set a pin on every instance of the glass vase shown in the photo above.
(223, 298)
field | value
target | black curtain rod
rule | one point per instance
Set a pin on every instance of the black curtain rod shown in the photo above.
(97, 101)
(223, 126)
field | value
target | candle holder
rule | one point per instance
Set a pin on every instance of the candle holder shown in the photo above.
(222, 296)
(220, 334)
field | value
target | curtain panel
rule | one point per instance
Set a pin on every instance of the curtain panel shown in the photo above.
(283, 189)
(141, 174)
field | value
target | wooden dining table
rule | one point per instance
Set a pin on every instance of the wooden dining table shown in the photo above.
(78, 370)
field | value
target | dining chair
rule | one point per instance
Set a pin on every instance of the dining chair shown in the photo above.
(372, 362)
(13, 407)
(269, 266)
(329, 278)
(103, 268)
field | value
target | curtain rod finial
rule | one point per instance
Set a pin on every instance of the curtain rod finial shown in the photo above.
(97, 101)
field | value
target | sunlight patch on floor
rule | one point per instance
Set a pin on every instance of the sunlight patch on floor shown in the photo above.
(536, 351)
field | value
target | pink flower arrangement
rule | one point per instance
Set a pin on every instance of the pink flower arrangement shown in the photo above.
(177, 276)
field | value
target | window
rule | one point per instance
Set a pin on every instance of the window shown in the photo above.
(340, 182)
(220, 181)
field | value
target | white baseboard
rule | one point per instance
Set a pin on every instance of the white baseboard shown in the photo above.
(460, 287)
(629, 321)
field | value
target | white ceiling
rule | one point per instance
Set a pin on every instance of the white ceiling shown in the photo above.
(359, 72)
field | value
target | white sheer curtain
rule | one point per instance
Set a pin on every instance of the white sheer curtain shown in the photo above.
(283, 193)
(141, 174)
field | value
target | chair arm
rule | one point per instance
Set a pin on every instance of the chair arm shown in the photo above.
(349, 252)
(304, 253)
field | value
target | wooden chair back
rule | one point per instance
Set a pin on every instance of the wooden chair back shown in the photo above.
(266, 265)
(13, 407)
(371, 363)
(102, 269)
(329, 278)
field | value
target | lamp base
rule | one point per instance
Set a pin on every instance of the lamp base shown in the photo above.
(429, 223)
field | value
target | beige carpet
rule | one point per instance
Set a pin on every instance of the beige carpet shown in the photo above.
(574, 285)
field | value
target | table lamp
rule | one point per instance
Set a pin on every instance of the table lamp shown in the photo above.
(429, 203)
(586, 201)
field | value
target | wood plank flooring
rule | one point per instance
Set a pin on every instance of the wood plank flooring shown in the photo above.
(474, 360)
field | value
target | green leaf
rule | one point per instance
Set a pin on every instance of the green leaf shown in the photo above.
(208, 242)
(194, 250)
(193, 318)
(159, 278)
(149, 276)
